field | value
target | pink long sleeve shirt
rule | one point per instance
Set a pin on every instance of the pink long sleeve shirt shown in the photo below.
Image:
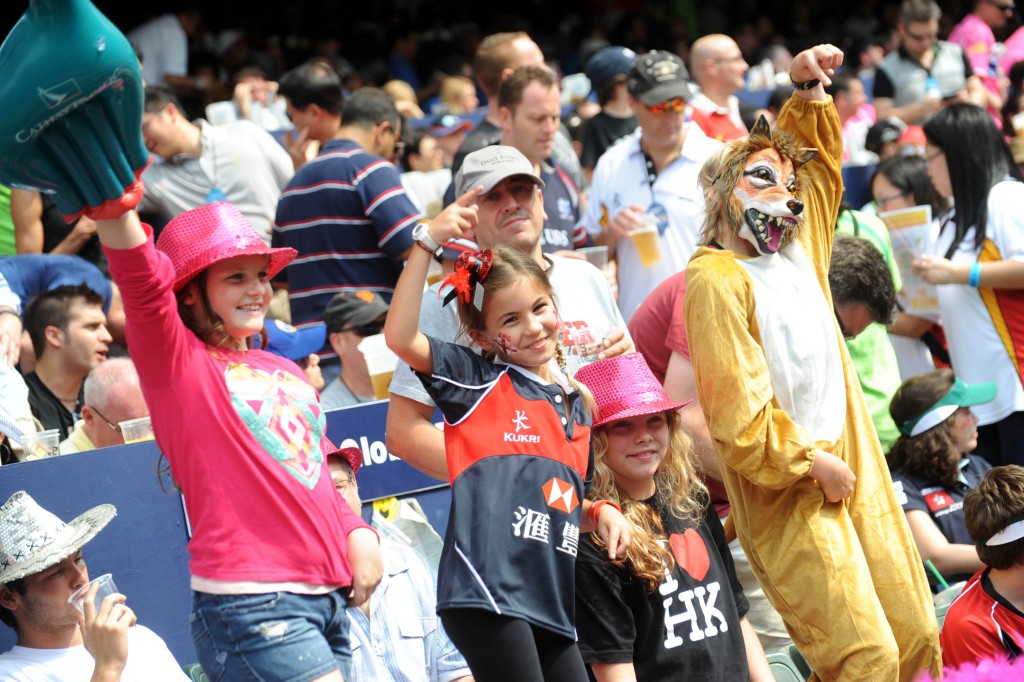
(243, 432)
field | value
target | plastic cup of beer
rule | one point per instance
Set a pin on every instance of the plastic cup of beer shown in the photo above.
(41, 445)
(136, 430)
(645, 239)
(434, 273)
(106, 587)
(381, 362)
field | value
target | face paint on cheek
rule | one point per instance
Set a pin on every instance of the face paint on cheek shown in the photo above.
(504, 344)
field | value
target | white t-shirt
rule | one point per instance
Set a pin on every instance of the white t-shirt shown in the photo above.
(620, 180)
(976, 350)
(149, 660)
(585, 306)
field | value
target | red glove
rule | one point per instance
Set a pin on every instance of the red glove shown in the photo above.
(114, 208)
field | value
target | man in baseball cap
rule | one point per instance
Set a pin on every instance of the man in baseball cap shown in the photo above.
(350, 317)
(650, 177)
(509, 212)
(607, 71)
(41, 564)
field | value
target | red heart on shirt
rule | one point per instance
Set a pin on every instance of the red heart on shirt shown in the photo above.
(691, 553)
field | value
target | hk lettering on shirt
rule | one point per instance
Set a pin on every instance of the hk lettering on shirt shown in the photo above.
(691, 615)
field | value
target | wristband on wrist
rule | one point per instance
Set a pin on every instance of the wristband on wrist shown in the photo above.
(595, 509)
(974, 278)
(805, 85)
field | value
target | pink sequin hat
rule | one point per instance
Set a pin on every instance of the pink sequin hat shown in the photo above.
(198, 238)
(624, 387)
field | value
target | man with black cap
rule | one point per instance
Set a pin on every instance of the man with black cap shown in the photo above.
(350, 317)
(651, 178)
(607, 71)
(41, 564)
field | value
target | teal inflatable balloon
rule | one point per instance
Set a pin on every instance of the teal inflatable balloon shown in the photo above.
(72, 93)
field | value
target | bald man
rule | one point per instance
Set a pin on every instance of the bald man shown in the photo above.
(111, 395)
(720, 71)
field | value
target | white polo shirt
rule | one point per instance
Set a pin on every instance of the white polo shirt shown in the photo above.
(620, 180)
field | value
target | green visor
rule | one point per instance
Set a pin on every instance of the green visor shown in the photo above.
(960, 395)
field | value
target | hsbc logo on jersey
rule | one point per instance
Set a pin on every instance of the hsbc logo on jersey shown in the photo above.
(520, 424)
(940, 502)
(560, 495)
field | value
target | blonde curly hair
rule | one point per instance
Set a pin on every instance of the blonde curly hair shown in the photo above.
(678, 488)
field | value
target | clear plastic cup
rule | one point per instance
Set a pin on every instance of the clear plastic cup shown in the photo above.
(645, 239)
(597, 255)
(106, 587)
(40, 445)
(589, 343)
(380, 362)
(136, 430)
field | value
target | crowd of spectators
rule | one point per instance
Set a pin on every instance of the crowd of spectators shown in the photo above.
(338, 142)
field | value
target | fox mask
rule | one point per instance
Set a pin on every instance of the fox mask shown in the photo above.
(751, 185)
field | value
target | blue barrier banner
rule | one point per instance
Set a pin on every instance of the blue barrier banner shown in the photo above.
(382, 474)
(145, 546)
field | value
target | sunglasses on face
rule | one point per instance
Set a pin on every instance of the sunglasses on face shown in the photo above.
(1003, 6)
(364, 330)
(674, 105)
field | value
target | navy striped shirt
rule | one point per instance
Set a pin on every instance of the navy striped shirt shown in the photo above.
(347, 215)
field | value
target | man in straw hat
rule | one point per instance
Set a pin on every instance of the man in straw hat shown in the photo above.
(41, 564)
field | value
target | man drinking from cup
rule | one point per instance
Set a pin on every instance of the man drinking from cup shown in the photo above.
(41, 565)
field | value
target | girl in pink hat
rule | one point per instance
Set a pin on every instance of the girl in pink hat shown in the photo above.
(275, 555)
(517, 440)
(672, 607)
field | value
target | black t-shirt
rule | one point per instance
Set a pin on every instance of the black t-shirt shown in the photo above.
(48, 408)
(687, 629)
(601, 132)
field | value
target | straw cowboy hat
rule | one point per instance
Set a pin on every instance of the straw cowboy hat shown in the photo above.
(33, 539)
(200, 237)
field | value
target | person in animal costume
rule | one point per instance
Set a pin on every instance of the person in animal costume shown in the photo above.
(812, 501)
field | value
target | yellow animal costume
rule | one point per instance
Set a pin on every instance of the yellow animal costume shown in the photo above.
(775, 381)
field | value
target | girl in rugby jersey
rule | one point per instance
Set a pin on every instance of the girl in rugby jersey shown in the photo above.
(517, 441)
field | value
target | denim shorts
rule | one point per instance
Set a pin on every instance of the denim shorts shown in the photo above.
(279, 637)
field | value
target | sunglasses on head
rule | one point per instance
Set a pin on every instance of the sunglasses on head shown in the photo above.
(675, 105)
(1003, 6)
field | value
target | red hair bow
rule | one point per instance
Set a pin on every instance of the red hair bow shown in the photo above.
(470, 270)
